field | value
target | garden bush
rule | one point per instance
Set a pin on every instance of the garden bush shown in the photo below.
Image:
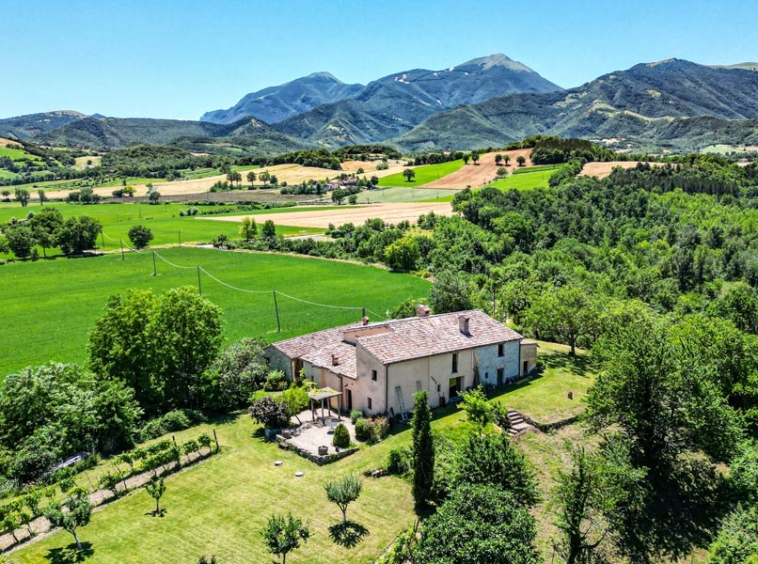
(399, 461)
(355, 415)
(341, 436)
(362, 429)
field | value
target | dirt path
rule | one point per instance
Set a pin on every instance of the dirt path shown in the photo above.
(391, 213)
(481, 174)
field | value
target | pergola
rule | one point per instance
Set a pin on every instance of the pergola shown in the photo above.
(322, 395)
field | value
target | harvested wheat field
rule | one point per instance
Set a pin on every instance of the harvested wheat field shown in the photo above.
(481, 174)
(5, 142)
(391, 213)
(602, 170)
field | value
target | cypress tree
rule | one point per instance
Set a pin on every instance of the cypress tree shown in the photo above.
(423, 450)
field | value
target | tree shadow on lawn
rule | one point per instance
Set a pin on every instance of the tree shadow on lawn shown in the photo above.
(579, 365)
(347, 534)
(161, 513)
(70, 554)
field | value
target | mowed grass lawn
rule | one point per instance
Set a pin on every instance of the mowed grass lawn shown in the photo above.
(219, 506)
(526, 178)
(424, 174)
(49, 307)
(167, 226)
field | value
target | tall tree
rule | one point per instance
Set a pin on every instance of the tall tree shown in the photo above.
(22, 196)
(409, 174)
(140, 236)
(423, 449)
(566, 314)
(78, 234)
(45, 226)
(251, 179)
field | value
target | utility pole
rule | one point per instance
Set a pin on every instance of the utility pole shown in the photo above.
(122, 248)
(199, 284)
(155, 268)
(276, 307)
(180, 238)
(102, 239)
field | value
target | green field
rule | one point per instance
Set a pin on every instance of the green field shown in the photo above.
(18, 154)
(526, 178)
(163, 220)
(396, 195)
(49, 307)
(219, 506)
(424, 174)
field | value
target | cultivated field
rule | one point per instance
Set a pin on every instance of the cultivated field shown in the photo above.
(391, 213)
(424, 174)
(527, 178)
(5, 142)
(482, 173)
(49, 307)
(602, 170)
(219, 506)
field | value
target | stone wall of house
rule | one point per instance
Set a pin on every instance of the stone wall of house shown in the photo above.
(489, 361)
(278, 361)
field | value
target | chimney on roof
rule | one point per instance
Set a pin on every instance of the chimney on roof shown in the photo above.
(335, 360)
(463, 324)
(422, 311)
(364, 321)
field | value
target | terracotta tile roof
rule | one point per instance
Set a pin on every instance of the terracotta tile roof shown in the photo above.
(298, 346)
(405, 339)
(345, 353)
(419, 337)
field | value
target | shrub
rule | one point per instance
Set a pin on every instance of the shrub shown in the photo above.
(380, 428)
(362, 430)
(341, 436)
(276, 381)
(355, 415)
(399, 461)
(271, 413)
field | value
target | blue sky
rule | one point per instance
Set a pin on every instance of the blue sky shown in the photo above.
(178, 59)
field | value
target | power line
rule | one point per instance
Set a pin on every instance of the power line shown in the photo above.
(233, 287)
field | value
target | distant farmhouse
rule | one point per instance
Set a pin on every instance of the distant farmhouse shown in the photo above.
(378, 367)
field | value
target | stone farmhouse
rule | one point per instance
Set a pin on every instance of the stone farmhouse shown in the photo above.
(377, 367)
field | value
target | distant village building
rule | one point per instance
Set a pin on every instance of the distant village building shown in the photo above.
(379, 366)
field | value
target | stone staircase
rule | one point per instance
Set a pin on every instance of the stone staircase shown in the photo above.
(517, 424)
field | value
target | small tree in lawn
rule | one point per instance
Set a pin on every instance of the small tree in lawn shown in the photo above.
(343, 492)
(249, 229)
(78, 514)
(155, 488)
(284, 533)
(423, 449)
(409, 174)
(140, 236)
(502, 172)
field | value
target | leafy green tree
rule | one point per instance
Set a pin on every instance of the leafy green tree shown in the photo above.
(568, 314)
(466, 158)
(403, 254)
(338, 195)
(475, 158)
(155, 488)
(78, 234)
(493, 459)
(264, 177)
(296, 397)
(409, 174)
(423, 449)
(238, 372)
(45, 226)
(251, 179)
(78, 513)
(501, 172)
(249, 229)
(343, 491)
(154, 196)
(507, 159)
(269, 230)
(283, 534)
(42, 197)
(140, 236)
(20, 239)
(478, 524)
(521, 160)
(498, 159)
(477, 407)
(22, 196)
(408, 308)
(737, 540)
(450, 292)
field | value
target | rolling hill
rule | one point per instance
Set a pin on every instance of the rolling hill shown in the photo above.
(650, 103)
(115, 133)
(26, 127)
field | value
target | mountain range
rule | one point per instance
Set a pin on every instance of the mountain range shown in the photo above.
(490, 101)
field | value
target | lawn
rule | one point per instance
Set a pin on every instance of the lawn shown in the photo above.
(526, 178)
(163, 220)
(18, 154)
(219, 506)
(49, 307)
(424, 174)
